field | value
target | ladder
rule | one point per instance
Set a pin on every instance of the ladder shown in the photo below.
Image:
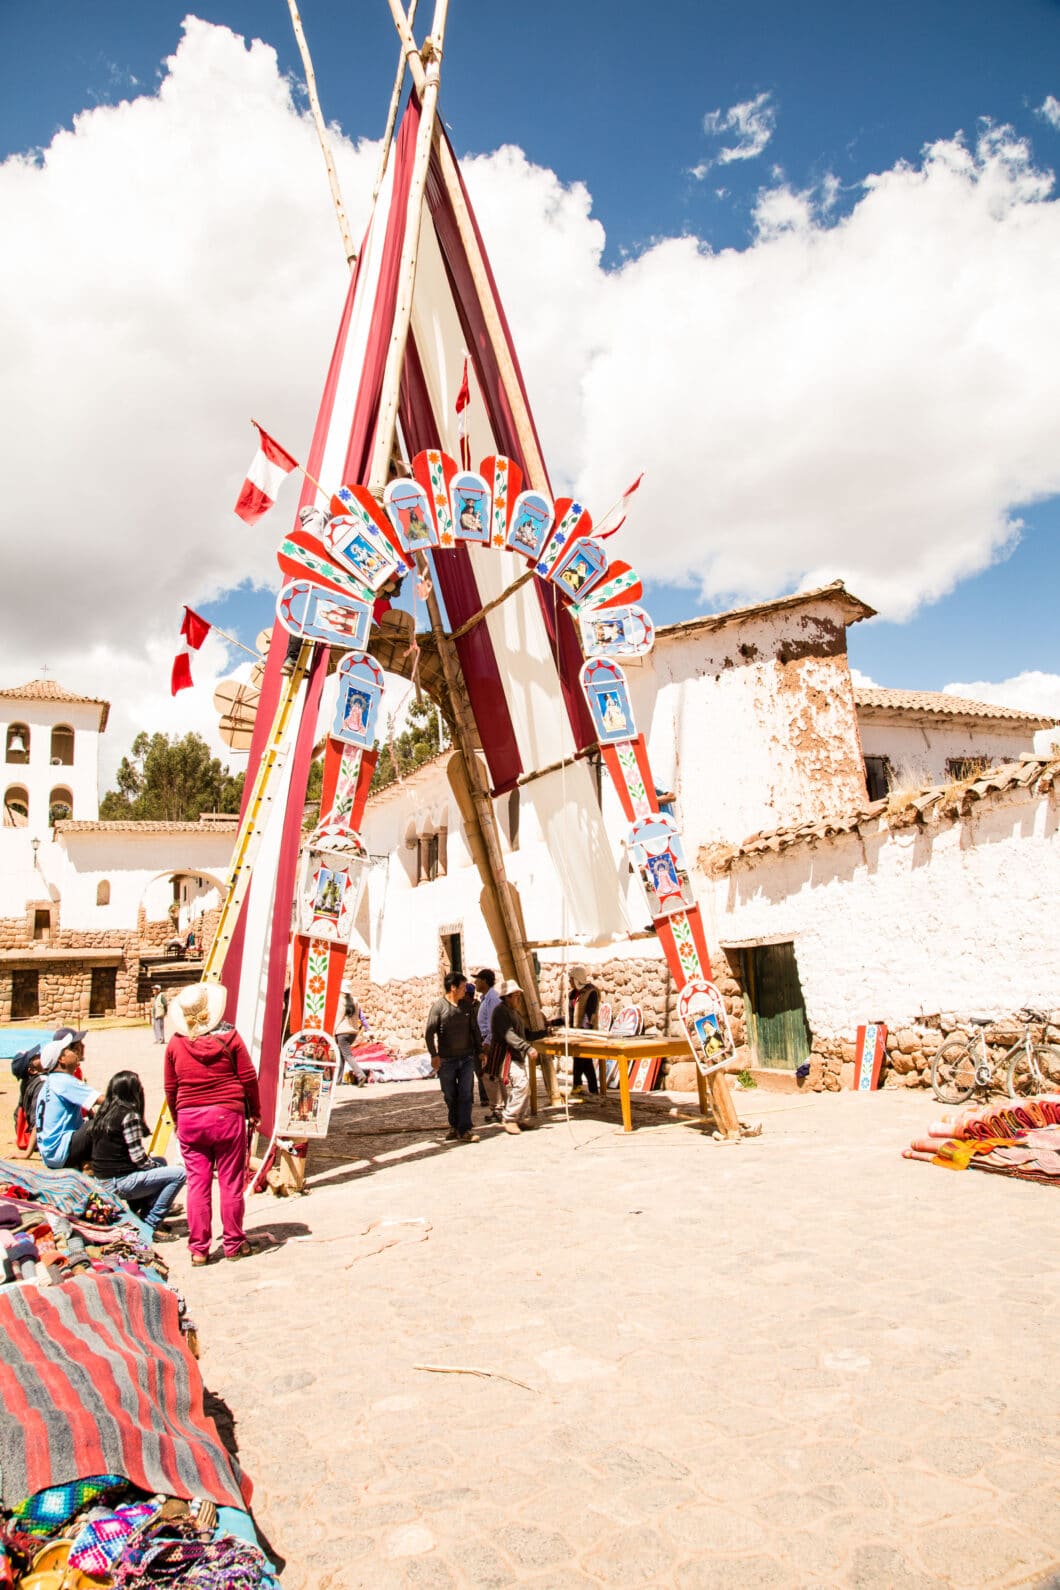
(248, 841)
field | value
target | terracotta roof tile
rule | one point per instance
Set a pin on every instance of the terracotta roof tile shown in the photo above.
(936, 702)
(127, 826)
(856, 609)
(51, 690)
(930, 805)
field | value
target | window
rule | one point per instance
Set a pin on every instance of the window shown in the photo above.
(18, 742)
(42, 923)
(102, 997)
(453, 953)
(16, 807)
(62, 745)
(103, 892)
(25, 996)
(877, 777)
(961, 767)
(428, 858)
(60, 806)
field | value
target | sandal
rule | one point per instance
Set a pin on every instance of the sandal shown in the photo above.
(199, 1259)
(246, 1250)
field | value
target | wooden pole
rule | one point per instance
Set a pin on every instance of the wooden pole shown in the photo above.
(391, 120)
(476, 618)
(390, 391)
(322, 134)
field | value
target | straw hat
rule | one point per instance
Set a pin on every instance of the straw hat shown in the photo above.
(507, 986)
(579, 976)
(198, 1009)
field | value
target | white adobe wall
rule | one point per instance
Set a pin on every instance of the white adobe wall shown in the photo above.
(38, 776)
(956, 917)
(918, 752)
(138, 868)
(752, 724)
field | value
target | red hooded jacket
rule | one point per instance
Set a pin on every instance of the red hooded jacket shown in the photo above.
(212, 1070)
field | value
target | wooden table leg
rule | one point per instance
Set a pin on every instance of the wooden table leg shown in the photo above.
(721, 1099)
(603, 1076)
(532, 1068)
(623, 1084)
(704, 1097)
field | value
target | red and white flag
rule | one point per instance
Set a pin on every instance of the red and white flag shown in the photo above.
(194, 631)
(463, 402)
(264, 477)
(615, 517)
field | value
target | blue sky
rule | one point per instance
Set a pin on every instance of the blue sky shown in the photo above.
(615, 97)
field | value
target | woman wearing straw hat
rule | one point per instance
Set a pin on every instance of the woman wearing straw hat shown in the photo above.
(212, 1093)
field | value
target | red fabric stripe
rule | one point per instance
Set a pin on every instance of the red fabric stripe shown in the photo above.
(180, 679)
(456, 580)
(563, 637)
(274, 452)
(252, 503)
(17, 1406)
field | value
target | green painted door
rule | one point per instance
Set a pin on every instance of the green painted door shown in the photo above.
(777, 1032)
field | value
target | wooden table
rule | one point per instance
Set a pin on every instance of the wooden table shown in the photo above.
(715, 1100)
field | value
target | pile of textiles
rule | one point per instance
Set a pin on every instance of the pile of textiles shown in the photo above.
(111, 1472)
(383, 1066)
(103, 1531)
(1013, 1139)
(56, 1224)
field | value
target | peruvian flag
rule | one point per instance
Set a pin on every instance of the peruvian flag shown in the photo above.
(463, 400)
(264, 477)
(615, 517)
(194, 631)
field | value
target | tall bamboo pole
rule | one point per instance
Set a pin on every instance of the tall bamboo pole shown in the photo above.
(395, 100)
(322, 133)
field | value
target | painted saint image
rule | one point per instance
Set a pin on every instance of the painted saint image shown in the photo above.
(355, 715)
(663, 875)
(608, 632)
(612, 714)
(328, 899)
(305, 1099)
(417, 532)
(363, 557)
(339, 619)
(525, 531)
(710, 1037)
(470, 516)
(577, 574)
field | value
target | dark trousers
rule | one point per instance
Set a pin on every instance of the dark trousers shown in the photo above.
(483, 1096)
(80, 1150)
(585, 1072)
(457, 1078)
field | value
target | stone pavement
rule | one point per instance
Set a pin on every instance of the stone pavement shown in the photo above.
(798, 1360)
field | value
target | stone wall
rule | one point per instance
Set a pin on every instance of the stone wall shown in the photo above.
(64, 987)
(910, 1051)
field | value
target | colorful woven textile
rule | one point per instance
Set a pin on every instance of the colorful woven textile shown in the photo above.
(48, 1510)
(1014, 1139)
(95, 1378)
(66, 1190)
(188, 1560)
(99, 1542)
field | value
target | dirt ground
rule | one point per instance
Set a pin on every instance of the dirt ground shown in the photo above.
(798, 1360)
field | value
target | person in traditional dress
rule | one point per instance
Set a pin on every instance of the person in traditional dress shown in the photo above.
(510, 1056)
(212, 1093)
(453, 1041)
(583, 1005)
(120, 1162)
(159, 1006)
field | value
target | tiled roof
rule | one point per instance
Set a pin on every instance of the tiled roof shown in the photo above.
(127, 826)
(932, 702)
(51, 690)
(931, 805)
(855, 608)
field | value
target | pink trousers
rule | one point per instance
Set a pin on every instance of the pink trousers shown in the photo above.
(212, 1139)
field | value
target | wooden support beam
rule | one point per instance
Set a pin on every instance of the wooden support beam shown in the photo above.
(476, 618)
(555, 767)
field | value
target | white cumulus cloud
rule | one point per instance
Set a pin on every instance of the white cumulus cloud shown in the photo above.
(872, 398)
(1050, 110)
(750, 124)
(1030, 691)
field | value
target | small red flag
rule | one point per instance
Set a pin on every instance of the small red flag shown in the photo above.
(609, 523)
(271, 463)
(463, 399)
(194, 629)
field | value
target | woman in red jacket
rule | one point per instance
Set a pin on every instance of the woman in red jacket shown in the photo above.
(212, 1093)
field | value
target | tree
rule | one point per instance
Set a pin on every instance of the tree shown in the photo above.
(170, 780)
(421, 739)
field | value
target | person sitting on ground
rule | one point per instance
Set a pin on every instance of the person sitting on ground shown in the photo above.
(583, 1004)
(489, 999)
(453, 1041)
(25, 1067)
(351, 1030)
(119, 1161)
(510, 1054)
(63, 1134)
(212, 1093)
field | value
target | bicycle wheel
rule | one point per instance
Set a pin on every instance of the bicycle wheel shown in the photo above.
(953, 1072)
(1039, 1074)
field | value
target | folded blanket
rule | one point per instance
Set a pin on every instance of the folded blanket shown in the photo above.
(95, 1378)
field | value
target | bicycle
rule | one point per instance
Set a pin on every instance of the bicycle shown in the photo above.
(963, 1065)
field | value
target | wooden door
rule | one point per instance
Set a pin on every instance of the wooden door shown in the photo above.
(777, 1031)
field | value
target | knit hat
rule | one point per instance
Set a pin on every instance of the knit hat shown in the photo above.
(199, 1008)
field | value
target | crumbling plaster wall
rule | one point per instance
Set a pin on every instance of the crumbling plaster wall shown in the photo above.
(954, 918)
(918, 751)
(752, 724)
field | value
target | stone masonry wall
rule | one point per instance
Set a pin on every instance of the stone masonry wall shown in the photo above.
(64, 988)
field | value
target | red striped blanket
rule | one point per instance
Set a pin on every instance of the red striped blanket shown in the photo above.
(95, 1379)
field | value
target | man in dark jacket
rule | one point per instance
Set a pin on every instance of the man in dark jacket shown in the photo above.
(453, 1043)
(512, 1051)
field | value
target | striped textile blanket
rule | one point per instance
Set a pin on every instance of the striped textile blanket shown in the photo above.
(67, 1191)
(95, 1379)
(1014, 1139)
